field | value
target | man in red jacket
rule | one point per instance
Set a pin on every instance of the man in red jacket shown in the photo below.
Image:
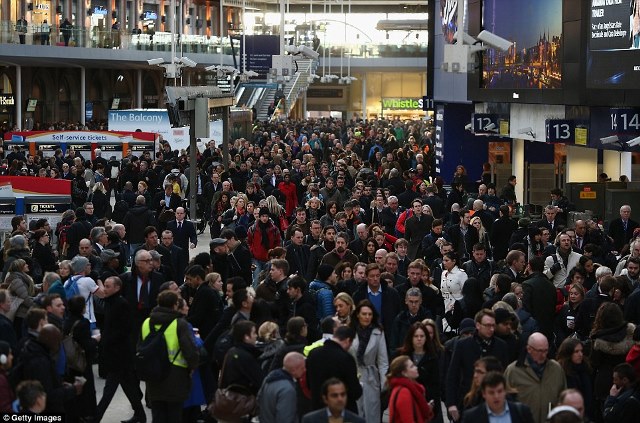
(262, 236)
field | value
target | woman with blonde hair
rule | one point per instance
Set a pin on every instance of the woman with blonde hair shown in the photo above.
(344, 308)
(483, 235)
(100, 201)
(20, 286)
(271, 342)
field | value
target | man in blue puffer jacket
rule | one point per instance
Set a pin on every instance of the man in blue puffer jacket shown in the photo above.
(321, 289)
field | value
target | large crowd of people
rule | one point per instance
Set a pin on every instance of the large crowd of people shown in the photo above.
(344, 282)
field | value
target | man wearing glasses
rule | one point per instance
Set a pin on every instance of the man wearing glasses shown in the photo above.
(482, 343)
(537, 380)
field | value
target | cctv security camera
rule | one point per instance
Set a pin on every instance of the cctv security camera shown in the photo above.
(468, 127)
(188, 62)
(490, 127)
(494, 41)
(308, 52)
(157, 61)
(609, 140)
(244, 77)
(526, 130)
(633, 142)
(466, 38)
(211, 68)
(251, 74)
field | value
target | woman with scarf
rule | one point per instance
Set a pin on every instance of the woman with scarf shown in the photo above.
(370, 350)
(407, 403)
(262, 236)
(218, 208)
(237, 214)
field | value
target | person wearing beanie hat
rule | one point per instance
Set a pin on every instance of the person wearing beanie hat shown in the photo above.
(262, 236)
(321, 289)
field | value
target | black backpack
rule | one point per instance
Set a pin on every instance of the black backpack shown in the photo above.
(119, 211)
(222, 346)
(152, 357)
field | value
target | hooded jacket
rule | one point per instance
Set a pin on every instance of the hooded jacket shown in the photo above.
(277, 398)
(610, 348)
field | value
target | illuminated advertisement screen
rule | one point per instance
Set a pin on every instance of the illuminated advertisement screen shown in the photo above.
(534, 61)
(614, 44)
(449, 19)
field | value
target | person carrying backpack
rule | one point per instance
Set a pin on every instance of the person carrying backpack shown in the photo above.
(320, 291)
(165, 357)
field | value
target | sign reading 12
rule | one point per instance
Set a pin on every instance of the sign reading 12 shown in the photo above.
(625, 121)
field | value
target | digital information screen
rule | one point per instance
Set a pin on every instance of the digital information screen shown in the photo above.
(614, 44)
(534, 61)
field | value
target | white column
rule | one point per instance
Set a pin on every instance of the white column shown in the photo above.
(582, 164)
(139, 88)
(83, 95)
(282, 27)
(19, 96)
(611, 161)
(364, 95)
(304, 105)
(517, 168)
(625, 164)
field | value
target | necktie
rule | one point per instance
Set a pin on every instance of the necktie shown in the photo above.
(579, 241)
(179, 226)
(144, 293)
(624, 223)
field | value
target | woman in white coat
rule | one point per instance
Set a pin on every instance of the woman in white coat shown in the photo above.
(453, 279)
(370, 351)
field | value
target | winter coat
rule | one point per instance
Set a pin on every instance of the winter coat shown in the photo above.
(277, 398)
(116, 350)
(372, 373)
(177, 386)
(254, 240)
(136, 219)
(323, 297)
(402, 405)
(538, 394)
(241, 367)
(21, 286)
(451, 285)
(610, 348)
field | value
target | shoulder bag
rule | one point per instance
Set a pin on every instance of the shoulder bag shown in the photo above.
(232, 403)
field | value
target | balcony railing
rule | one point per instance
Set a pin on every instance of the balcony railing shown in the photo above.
(161, 41)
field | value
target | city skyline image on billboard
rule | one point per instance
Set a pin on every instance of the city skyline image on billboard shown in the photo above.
(534, 61)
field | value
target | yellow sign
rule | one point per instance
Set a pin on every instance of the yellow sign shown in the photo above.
(504, 127)
(587, 195)
(581, 138)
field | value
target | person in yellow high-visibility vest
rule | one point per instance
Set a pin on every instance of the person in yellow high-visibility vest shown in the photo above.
(167, 396)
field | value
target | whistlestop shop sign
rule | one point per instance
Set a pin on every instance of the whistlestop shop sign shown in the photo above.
(395, 103)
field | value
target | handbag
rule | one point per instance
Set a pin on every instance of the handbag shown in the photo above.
(284, 223)
(75, 354)
(232, 403)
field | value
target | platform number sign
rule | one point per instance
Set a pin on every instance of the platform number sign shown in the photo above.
(560, 130)
(625, 121)
(485, 123)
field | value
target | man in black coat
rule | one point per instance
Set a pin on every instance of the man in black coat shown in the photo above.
(140, 287)
(298, 254)
(178, 263)
(391, 214)
(165, 200)
(303, 305)
(135, 221)
(501, 232)
(79, 230)
(333, 360)
(460, 374)
(435, 202)
(408, 195)
(207, 305)
(239, 255)
(540, 296)
(621, 229)
(116, 350)
(552, 221)
(416, 228)
(494, 392)
(184, 233)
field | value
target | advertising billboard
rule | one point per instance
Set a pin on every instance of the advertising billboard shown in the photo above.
(614, 44)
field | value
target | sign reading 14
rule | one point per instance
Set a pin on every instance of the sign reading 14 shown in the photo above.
(625, 121)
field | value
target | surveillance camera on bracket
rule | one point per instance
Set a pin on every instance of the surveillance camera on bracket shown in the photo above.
(527, 131)
(188, 62)
(308, 52)
(468, 127)
(633, 142)
(609, 140)
(494, 41)
(155, 62)
(490, 127)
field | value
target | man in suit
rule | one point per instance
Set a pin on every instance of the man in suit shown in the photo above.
(495, 406)
(435, 202)
(178, 264)
(416, 227)
(500, 235)
(166, 200)
(298, 254)
(140, 288)
(334, 395)
(621, 229)
(552, 221)
(184, 233)
(332, 360)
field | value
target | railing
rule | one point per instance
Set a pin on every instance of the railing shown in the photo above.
(292, 90)
(161, 41)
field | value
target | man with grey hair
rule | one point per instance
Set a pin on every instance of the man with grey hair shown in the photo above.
(390, 214)
(357, 246)
(99, 238)
(414, 312)
(135, 222)
(621, 229)
(81, 284)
